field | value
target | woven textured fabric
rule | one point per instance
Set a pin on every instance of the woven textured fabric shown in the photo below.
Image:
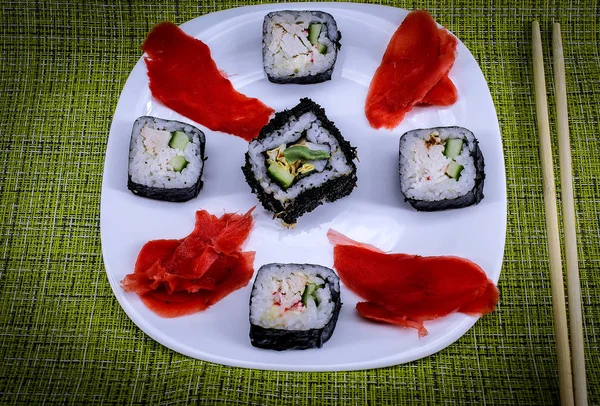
(64, 337)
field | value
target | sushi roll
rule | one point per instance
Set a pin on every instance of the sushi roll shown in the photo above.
(166, 159)
(293, 306)
(299, 161)
(299, 46)
(441, 168)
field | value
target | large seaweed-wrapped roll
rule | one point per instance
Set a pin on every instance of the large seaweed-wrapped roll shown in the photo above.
(293, 306)
(166, 159)
(299, 46)
(441, 168)
(299, 161)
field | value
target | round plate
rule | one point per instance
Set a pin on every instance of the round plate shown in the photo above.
(374, 213)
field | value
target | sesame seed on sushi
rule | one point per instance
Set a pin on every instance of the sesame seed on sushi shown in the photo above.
(441, 168)
(166, 159)
(299, 161)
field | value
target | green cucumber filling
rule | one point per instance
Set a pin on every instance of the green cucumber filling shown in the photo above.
(452, 148)
(156, 141)
(280, 173)
(314, 30)
(178, 163)
(454, 169)
(287, 164)
(179, 140)
(310, 292)
(313, 33)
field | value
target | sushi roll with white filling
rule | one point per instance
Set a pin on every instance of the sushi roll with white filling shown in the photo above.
(441, 168)
(293, 306)
(166, 159)
(299, 161)
(299, 46)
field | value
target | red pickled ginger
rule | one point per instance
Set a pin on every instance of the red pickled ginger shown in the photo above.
(179, 277)
(184, 77)
(413, 71)
(407, 289)
(444, 92)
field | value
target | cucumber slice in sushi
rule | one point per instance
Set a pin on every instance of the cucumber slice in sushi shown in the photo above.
(179, 140)
(313, 33)
(453, 170)
(318, 168)
(293, 306)
(453, 147)
(166, 159)
(441, 168)
(178, 163)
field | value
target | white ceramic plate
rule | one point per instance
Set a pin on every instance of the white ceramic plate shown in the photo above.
(374, 213)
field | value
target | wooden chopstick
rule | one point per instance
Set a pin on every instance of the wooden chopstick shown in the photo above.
(556, 275)
(568, 212)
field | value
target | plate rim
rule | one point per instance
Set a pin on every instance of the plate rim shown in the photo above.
(446, 340)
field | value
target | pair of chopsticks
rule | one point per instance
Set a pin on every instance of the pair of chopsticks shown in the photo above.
(572, 384)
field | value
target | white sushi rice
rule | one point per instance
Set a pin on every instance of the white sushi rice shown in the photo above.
(336, 166)
(422, 168)
(276, 300)
(149, 162)
(286, 48)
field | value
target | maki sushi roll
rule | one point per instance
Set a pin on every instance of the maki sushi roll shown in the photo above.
(166, 159)
(298, 161)
(293, 306)
(441, 168)
(299, 46)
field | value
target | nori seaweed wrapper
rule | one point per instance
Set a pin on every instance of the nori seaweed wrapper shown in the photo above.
(281, 340)
(471, 197)
(169, 194)
(306, 79)
(308, 200)
(176, 195)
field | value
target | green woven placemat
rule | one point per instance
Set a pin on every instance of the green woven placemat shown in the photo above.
(65, 339)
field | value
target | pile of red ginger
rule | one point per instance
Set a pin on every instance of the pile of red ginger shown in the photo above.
(413, 71)
(179, 277)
